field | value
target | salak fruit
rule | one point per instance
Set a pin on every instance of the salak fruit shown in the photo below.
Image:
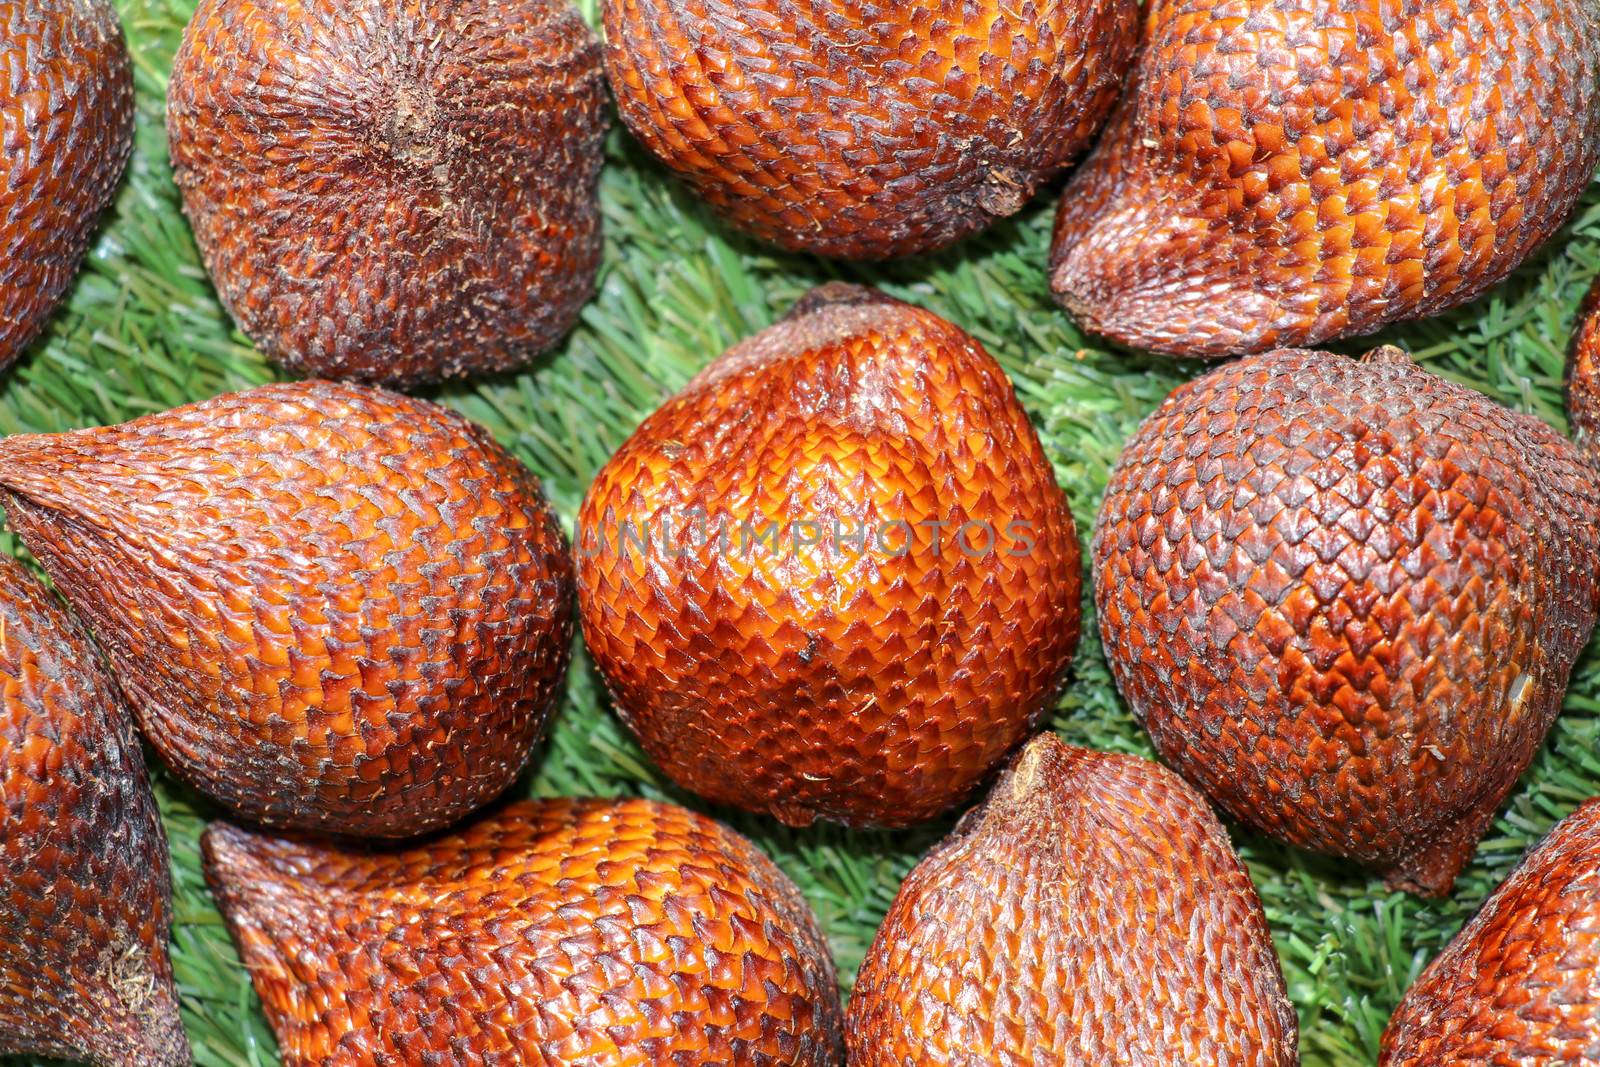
(85, 899)
(393, 192)
(66, 109)
(1517, 986)
(1344, 596)
(1090, 912)
(834, 576)
(1284, 172)
(331, 607)
(579, 933)
(867, 130)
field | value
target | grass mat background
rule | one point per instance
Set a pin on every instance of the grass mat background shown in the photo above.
(143, 331)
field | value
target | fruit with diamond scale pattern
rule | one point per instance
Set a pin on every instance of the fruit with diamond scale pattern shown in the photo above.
(332, 607)
(66, 104)
(393, 192)
(1344, 597)
(85, 896)
(1091, 911)
(1517, 985)
(867, 130)
(1285, 172)
(834, 576)
(590, 933)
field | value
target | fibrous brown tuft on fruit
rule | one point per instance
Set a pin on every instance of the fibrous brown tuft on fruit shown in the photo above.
(585, 933)
(1090, 912)
(1345, 597)
(867, 129)
(393, 192)
(66, 109)
(834, 576)
(331, 607)
(1285, 172)
(1517, 985)
(85, 899)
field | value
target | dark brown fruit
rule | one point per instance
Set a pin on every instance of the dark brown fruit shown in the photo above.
(332, 608)
(867, 129)
(874, 676)
(1284, 172)
(1091, 912)
(66, 112)
(85, 900)
(1344, 597)
(582, 933)
(393, 192)
(1517, 988)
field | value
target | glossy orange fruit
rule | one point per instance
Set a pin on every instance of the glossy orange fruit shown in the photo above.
(560, 933)
(1344, 596)
(1285, 172)
(834, 576)
(865, 129)
(1091, 912)
(85, 899)
(331, 607)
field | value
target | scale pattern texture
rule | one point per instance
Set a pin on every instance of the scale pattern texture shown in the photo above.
(866, 129)
(85, 900)
(332, 608)
(1520, 985)
(1345, 596)
(66, 109)
(873, 681)
(1284, 172)
(1091, 912)
(561, 933)
(396, 191)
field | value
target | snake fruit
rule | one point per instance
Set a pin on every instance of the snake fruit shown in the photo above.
(66, 106)
(331, 607)
(867, 130)
(1344, 596)
(1285, 172)
(393, 192)
(85, 899)
(834, 576)
(1517, 985)
(1092, 911)
(560, 933)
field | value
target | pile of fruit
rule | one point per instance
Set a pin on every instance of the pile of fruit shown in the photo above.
(834, 578)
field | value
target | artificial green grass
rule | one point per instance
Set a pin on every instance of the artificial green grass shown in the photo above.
(143, 331)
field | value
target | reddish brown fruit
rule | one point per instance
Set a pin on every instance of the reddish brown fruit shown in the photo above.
(1517, 986)
(579, 933)
(875, 676)
(1090, 912)
(867, 129)
(1583, 374)
(66, 109)
(85, 901)
(1284, 172)
(1345, 596)
(332, 608)
(393, 192)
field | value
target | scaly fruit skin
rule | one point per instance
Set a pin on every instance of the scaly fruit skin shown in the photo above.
(1520, 985)
(864, 129)
(332, 608)
(579, 933)
(395, 191)
(66, 106)
(1583, 373)
(1284, 172)
(85, 900)
(1345, 596)
(873, 681)
(1091, 912)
